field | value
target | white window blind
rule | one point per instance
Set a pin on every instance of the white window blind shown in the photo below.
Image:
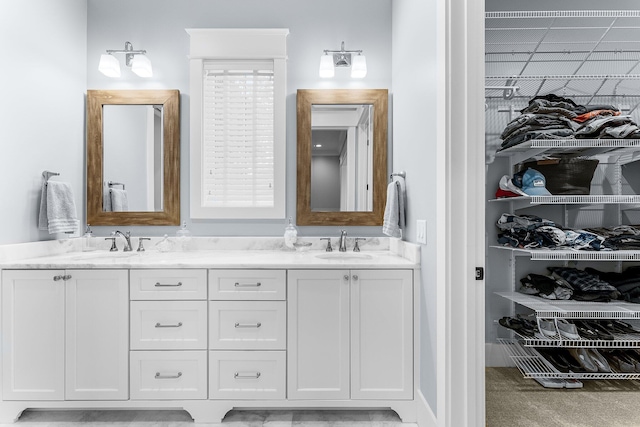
(238, 134)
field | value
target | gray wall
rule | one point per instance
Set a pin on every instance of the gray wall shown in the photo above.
(42, 81)
(414, 136)
(158, 26)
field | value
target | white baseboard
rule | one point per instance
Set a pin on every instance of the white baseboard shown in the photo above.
(496, 357)
(425, 415)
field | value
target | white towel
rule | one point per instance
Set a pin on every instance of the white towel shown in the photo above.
(60, 208)
(106, 199)
(119, 201)
(394, 211)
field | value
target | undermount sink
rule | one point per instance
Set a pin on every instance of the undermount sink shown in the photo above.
(105, 255)
(344, 256)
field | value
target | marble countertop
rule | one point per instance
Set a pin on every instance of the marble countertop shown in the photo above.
(225, 254)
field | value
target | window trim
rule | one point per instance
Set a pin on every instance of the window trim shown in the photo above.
(230, 44)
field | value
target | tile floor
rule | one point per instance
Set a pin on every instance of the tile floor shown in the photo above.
(248, 418)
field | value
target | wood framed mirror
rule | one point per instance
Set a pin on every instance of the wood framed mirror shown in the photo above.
(341, 156)
(133, 157)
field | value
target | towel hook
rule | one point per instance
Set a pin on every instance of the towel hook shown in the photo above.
(402, 174)
(48, 174)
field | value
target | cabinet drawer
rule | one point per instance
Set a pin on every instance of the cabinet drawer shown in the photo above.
(243, 325)
(247, 284)
(168, 325)
(247, 374)
(178, 284)
(168, 375)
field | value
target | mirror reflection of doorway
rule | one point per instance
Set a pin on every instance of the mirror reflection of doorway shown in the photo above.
(341, 159)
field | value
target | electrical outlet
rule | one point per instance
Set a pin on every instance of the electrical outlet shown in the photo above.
(421, 231)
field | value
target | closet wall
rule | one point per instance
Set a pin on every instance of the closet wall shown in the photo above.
(588, 57)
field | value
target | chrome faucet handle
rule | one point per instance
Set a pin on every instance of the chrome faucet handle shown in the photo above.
(140, 247)
(328, 239)
(342, 247)
(356, 248)
(114, 248)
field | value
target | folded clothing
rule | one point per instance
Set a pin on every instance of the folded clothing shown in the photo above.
(545, 287)
(586, 286)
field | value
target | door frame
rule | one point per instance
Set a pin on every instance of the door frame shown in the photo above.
(461, 193)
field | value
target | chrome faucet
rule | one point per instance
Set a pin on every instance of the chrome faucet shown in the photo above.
(343, 241)
(127, 238)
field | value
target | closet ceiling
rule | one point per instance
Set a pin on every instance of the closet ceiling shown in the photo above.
(569, 53)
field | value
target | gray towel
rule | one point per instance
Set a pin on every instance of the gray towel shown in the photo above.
(58, 208)
(119, 201)
(394, 212)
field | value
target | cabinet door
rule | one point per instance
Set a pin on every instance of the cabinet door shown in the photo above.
(381, 334)
(318, 334)
(97, 327)
(32, 335)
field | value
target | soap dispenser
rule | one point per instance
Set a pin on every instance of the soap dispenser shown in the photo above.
(290, 235)
(184, 237)
(87, 242)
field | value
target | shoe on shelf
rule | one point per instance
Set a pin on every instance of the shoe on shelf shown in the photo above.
(547, 327)
(567, 330)
(517, 325)
(583, 358)
(634, 357)
(618, 327)
(599, 360)
(553, 360)
(586, 331)
(603, 333)
(618, 361)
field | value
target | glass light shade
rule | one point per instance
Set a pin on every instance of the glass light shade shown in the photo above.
(326, 66)
(141, 65)
(109, 66)
(358, 67)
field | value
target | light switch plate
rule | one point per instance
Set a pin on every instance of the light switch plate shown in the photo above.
(421, 231)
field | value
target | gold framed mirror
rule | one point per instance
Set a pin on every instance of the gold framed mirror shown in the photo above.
(133, 134)
(341, 156)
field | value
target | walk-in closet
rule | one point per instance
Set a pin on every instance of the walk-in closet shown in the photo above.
(562, 120)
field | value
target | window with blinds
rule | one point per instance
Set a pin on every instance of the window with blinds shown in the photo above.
(237, 129)
(238, 134)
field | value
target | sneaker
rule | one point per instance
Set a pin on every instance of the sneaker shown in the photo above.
(581, 355)
(599, 360)
(547, 327)
(552, 382)
(572, 383)
(567, 330)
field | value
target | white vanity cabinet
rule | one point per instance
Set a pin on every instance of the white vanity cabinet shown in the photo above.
(247, 334)
(65, 334)
(350, 334)
(168, 334)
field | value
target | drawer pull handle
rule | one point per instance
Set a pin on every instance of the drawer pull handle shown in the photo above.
(159, 285)
(160, 325)
(240, 376)
(248, 325)
(247, 285)
(159, 376)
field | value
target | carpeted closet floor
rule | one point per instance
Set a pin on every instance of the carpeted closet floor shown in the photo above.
(514, 401)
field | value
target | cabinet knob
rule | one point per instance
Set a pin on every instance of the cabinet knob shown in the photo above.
(56, 278)
(355, 277)
(346, 277)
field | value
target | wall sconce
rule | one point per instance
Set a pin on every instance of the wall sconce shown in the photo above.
(136, 59)
(342, 58)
